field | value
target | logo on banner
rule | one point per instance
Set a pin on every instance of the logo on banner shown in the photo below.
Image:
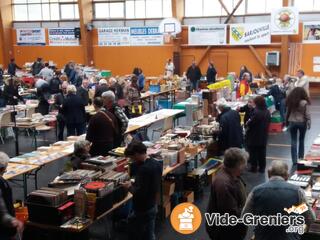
(186, 218)
(285, 18)
(237, 33)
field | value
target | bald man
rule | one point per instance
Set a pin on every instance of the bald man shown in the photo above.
(271, 198)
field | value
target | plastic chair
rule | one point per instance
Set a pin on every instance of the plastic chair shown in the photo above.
(5, 119)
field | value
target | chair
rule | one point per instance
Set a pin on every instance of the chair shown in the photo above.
(168, 124)
(43, 129)
(5, 119)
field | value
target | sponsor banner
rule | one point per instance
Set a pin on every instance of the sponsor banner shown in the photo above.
(207, 34)
(145, 36)
(31, 36)
(62, 37)
(114, 36)
(250, 34)
(285, 21)
(311, 32)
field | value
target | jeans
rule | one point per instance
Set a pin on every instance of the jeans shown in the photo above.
(144, 225)
(257, 157)
(76, 129)
(294, 128)
(194, 85)
(282, 109)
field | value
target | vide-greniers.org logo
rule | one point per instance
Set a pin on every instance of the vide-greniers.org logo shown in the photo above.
(294, 223)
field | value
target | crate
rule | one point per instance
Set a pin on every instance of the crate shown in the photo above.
(275, 127)
(154, 88)
(164, 104)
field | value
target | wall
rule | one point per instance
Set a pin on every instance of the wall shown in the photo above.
(59, 55)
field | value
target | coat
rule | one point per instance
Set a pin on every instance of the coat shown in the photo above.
(100, 89)
(194, 73)
(211, 75)
(231, 134)
(257, 128)
(9, 92)
(73, 109)
(84, 94)
(228, 195)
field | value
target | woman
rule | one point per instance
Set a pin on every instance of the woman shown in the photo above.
(247, 109)
(243, 70)
(211, 73)
(298, 119)
(244, 87)
(11, 92)
(80, 154)
(257, 135)
(102, 130)
(169, 69)
(73, 110)
(133, 98)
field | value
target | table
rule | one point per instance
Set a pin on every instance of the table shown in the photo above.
(75, 231)
(15, 170)
(150, 97)
(148, 119)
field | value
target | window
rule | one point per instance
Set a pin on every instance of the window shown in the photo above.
(104, 9)
(307, 5)
(202, 8)
(45, 10)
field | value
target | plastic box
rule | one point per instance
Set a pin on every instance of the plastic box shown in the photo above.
(154, 88)
(164, 104)
(276, 118)
(275, 127)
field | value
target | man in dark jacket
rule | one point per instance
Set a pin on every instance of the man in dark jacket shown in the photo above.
(11, 92)
(6, 233)
(83, 91)
(231, 134)
(194, 75)
(228, 195)
(58, 101)
(145, 191)
(257, 134)
(272, 198)
(211, 73)
(73, 110)
(37, 66)
(12, 67)
(101, 88)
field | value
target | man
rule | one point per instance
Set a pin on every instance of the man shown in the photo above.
(37, 66)
(302, 81)
(101, 88)
(58, 101)
(43, 94)
(145, 190)
(194, 75)
(83, 91)
(7, 232)
(231, 134)
(228, 195)
(102, 131)
(12, 67)
(211, 73)
(46, 73)
(116, 88)
(109, 102)
(271, 198)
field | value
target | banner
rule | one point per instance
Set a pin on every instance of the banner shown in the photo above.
(62, 37)
(311, 32)
(145, 36)
(250, 34)
(31, 36)
(285, 21)
(114, 36)
(207, 34)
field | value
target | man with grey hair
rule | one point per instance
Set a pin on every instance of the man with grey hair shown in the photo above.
(228, 194)
(271, 198)
(101, 88)
(230, 134)
(8, 230)
(109, 102)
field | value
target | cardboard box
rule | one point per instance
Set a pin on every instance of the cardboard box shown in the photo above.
(188, 196)
(192, 150)
(205, 121)
(168, 188)
(205, 108)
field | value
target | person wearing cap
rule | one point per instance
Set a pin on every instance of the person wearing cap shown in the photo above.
(101, 88)
(231, 134)
(6, 232)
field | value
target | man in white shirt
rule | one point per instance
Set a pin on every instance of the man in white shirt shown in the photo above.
(169, 68)
(302, 81)
(46, 73)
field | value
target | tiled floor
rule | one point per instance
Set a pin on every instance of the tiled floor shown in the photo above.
(278, 148)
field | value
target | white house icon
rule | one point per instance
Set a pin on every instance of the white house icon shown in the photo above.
(186, 219)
